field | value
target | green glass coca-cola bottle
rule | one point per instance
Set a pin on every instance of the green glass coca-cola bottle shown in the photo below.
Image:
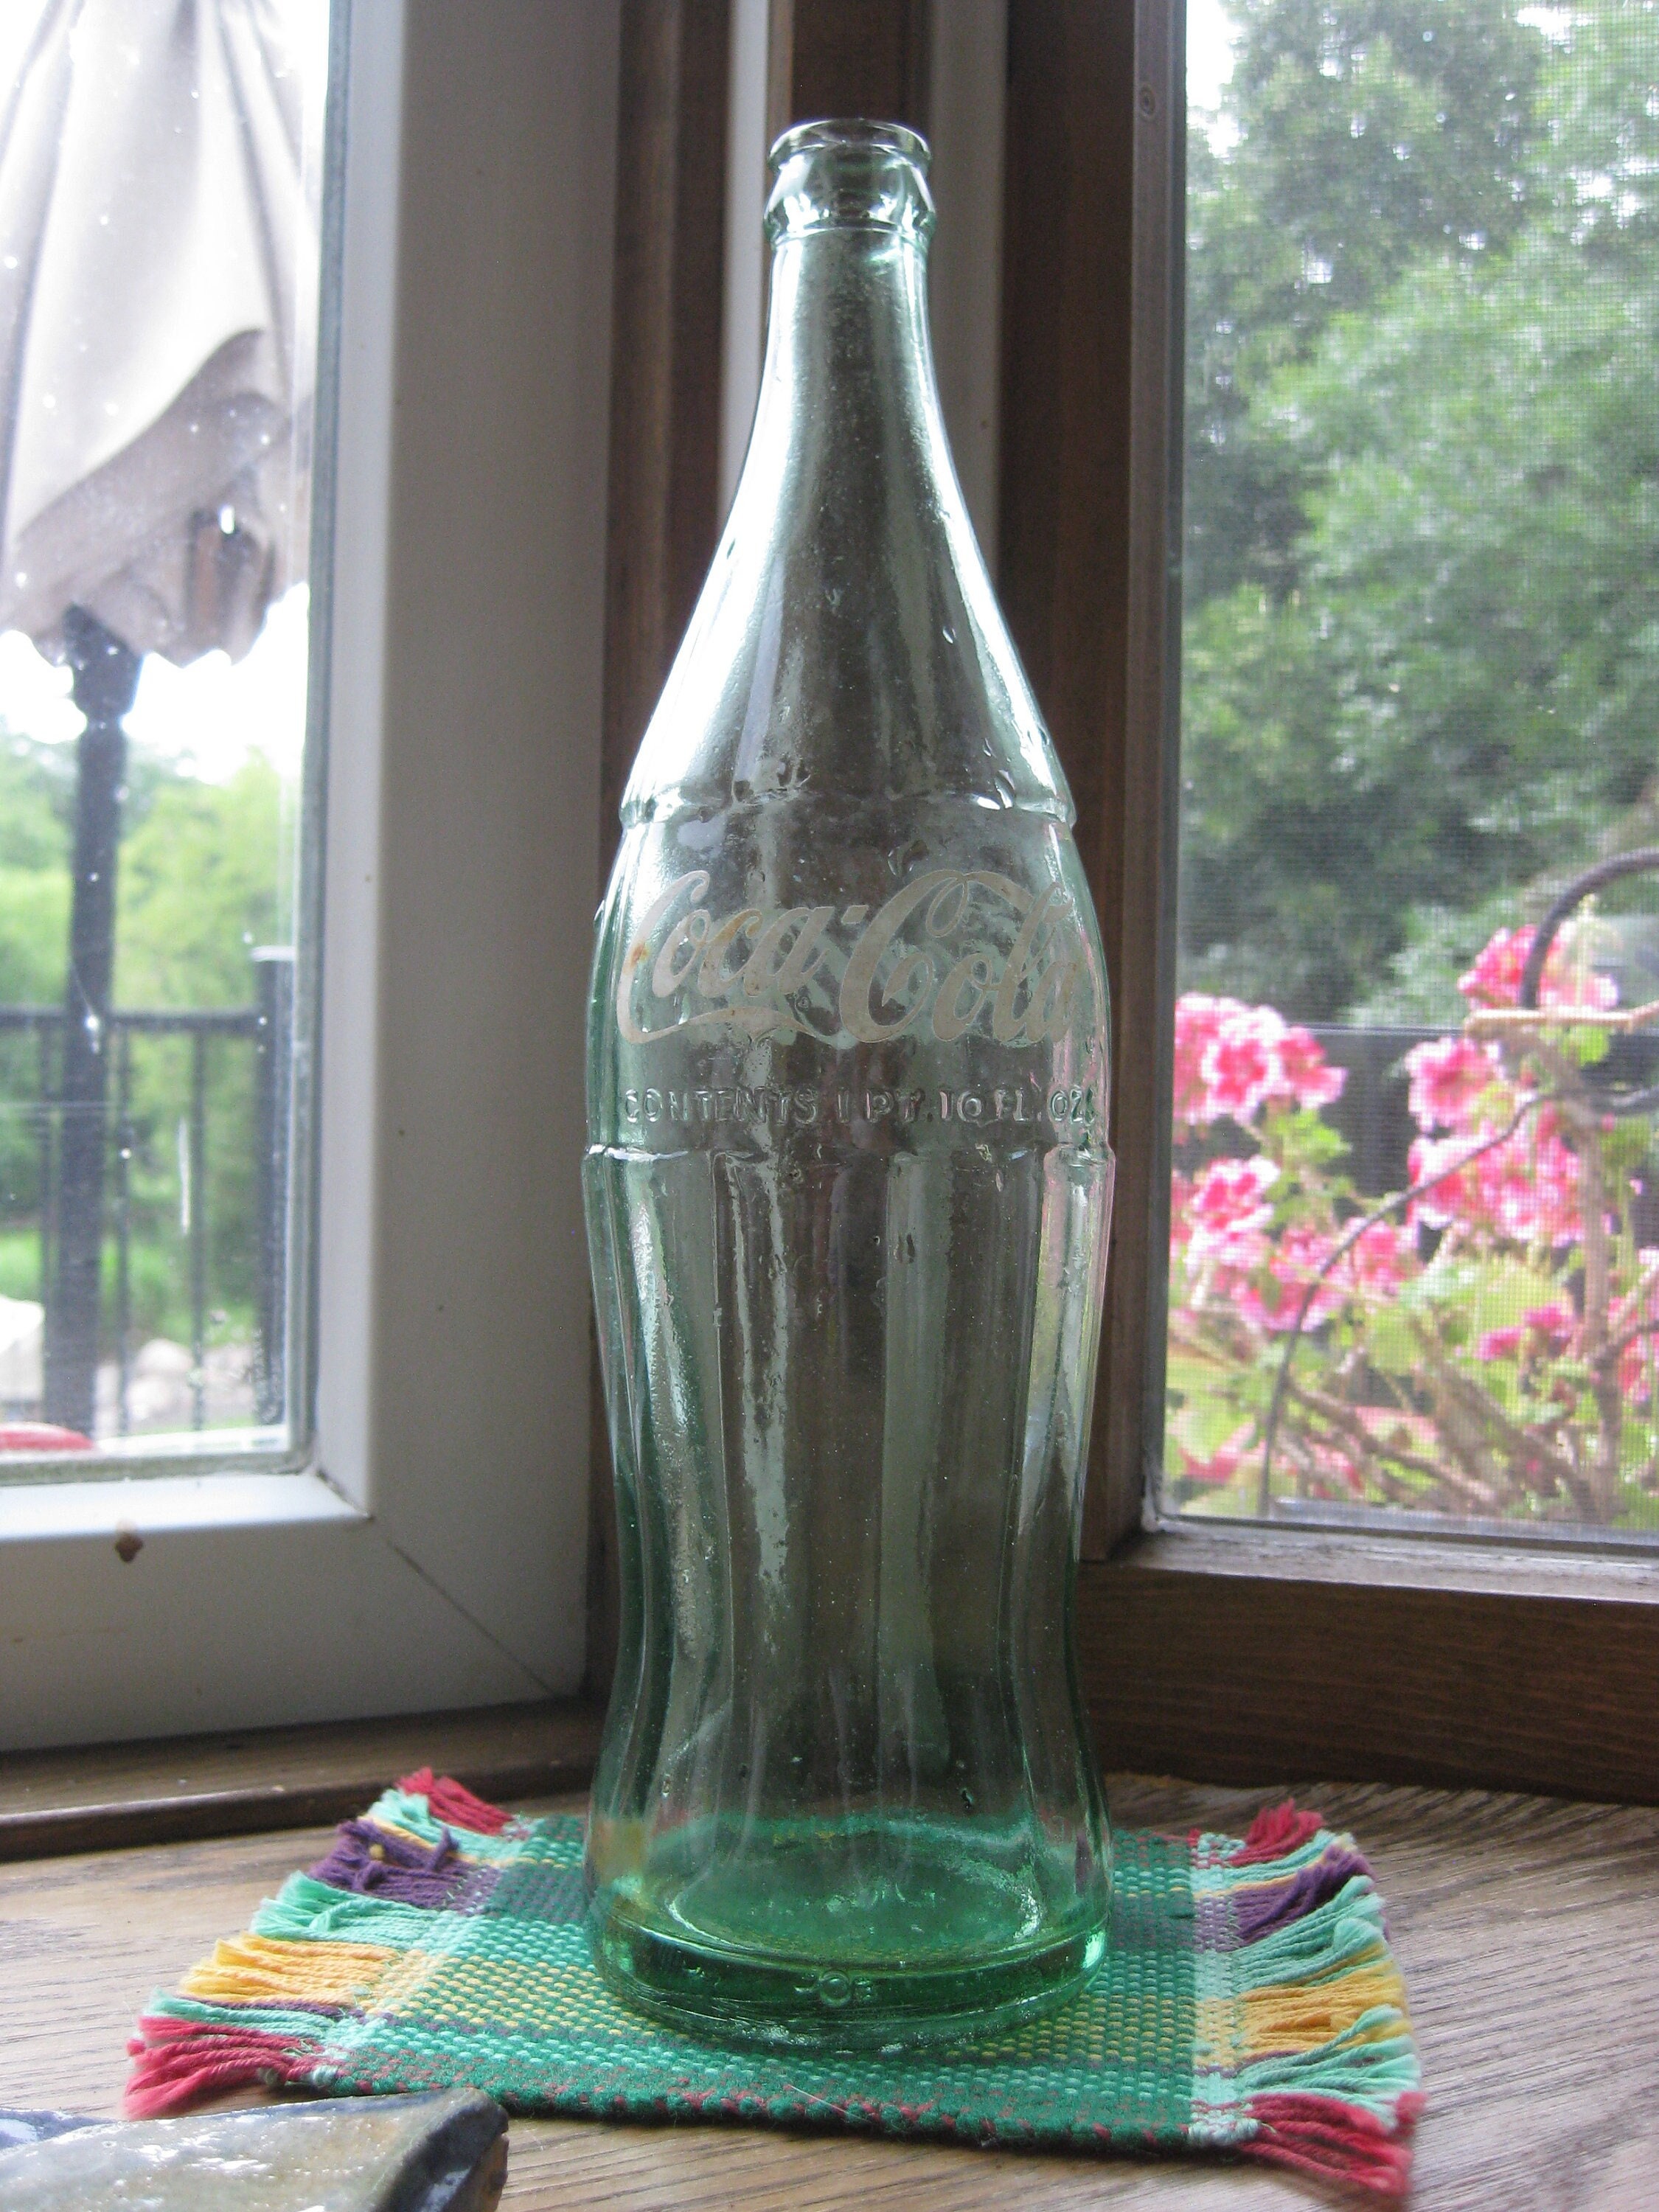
(847, 1187)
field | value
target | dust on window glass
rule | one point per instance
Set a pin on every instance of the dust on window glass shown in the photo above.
(159, 185)
(1414, 1260)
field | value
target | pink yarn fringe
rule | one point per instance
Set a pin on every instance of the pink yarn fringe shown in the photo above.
(1275, 1832)
(177, 2061)
(1335, 2142)
(447, 1800)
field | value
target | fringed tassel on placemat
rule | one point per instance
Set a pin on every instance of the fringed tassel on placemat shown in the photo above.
(180, 2062)
(1307, 2029)
(441, 1940)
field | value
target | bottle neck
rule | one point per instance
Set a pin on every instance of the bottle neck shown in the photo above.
(849, 441)
(847, 640)
(848, 437)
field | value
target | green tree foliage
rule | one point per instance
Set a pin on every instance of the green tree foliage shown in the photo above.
(36, 797)
(1421, 658)
(196, 893)
(197, 881)
(197, 890)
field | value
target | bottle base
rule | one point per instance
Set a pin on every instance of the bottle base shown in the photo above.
(799, 2004)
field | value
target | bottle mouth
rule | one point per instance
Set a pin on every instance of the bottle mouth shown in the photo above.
(855, 134)
(850, 175)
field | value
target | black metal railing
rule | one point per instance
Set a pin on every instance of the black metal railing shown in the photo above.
(84, 1161)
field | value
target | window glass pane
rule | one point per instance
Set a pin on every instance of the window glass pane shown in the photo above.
(1419, 701)
(160, 179)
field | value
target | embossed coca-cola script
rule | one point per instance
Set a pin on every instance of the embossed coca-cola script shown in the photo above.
(927, 958)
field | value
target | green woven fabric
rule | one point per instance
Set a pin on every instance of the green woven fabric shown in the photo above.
(1247, 2001)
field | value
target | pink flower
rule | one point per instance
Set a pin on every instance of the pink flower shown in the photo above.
(1241, 1066)
(1495, 978)
(1552, 1325)
(1524, 1191)
(1636, 1371)
(1448, 1076)
(1227, 1201)
(1231, 1059)
(1181, 1198)
(1224, 1461)
(1306, 1074)
(1377, 1264)
(1221, 1466)
(1262, 1299)
(1541, 1332)
(1599, 993)
(1265, 1282)
(1231, 1278)
(1452, 1193)
(1197, 1018)
(1270, 1298)
(1334, 1464)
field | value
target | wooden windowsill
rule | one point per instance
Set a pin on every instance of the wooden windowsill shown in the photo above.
(256, 1780)
(1231, 1653)
(1471, 1564)
(1526, 1929)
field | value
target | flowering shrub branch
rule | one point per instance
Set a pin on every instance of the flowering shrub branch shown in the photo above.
(1423, 1386)
(1401, 1201)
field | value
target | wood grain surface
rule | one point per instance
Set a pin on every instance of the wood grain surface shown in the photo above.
(1286, 1651)
(1064, 579)
(867, 58)
(254, 1780)
(1528, 1931)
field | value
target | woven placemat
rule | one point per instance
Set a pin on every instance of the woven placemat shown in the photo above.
(1249, 2003)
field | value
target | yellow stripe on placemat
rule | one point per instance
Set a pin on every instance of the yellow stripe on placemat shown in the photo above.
(467, 1990)
(424, 1843)
(1300, 2015)
(249, 1967)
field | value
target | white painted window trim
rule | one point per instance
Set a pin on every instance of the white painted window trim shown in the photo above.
(434, 1552)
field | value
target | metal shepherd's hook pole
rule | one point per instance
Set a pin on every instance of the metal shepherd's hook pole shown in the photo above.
(106, 679)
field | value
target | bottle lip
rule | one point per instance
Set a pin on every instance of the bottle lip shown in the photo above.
(850, 175)
(854, 133)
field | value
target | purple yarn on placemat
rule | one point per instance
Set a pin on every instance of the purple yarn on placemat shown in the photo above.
(1258, 1913)
(370, 1859)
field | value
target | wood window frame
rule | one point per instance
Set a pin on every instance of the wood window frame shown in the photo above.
(1226, 1652)
(427, 1554)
